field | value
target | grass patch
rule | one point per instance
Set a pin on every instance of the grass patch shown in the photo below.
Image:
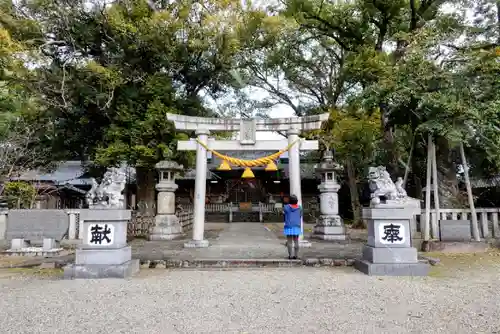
(37, 272)
(6, 261)
(452, 264)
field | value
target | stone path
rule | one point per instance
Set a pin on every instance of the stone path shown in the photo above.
(294, 300)
(242, 241)
(246, 240)
(235, 241)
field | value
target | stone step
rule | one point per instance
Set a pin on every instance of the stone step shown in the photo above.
(245, 263)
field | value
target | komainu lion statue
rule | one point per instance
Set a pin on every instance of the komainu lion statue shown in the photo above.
(381, 185)
(109, 193)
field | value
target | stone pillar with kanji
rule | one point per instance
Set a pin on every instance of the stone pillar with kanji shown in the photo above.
(388, 251)
(329, 225)
(167, 225)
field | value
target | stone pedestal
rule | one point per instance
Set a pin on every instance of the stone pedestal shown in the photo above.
(329, 225)
(167, 225)
(104, 252)
(388, 251)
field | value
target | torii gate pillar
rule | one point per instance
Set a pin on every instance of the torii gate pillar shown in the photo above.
(247, 128)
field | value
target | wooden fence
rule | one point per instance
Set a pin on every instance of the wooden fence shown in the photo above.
(265, 207)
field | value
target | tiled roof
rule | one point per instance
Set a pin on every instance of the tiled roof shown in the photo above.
(66, 173)
(73, 173)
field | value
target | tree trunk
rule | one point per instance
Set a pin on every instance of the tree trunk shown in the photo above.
(353, 188)
(475, 227)
(415, 184)
(146, 193)
(388, 143)
(449, 192)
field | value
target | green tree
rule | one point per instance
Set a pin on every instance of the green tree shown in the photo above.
(399, 47)
(21, 130)
(109, 74)
(356, 138)
(20, 195)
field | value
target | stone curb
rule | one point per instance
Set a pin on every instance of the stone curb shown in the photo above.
(212, 263)
(57, 262)
(245, 263)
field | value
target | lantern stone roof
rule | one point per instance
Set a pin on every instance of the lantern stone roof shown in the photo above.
(167, 164)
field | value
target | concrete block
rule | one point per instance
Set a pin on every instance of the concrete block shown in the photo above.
(37, 224)
(103, 256)
(394, 269)
(329, 230)
(390, 255)
(304, 243)
(95, 271)
(330, 237)
(455, 230)
(455, 247)
(196, 244)
(50, 244)
(18, 244)
(167, 227)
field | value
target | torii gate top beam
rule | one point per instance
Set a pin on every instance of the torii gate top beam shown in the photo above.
(312, 122)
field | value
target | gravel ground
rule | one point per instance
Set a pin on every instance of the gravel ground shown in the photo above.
(295, 300)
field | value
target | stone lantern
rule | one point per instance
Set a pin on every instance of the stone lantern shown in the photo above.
(329, 225)
(167, 225)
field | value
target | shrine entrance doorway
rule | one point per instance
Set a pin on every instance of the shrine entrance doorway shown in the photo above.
(245, 190)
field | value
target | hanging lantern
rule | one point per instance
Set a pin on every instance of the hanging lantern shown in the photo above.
(271, 167)
(224, 166)
(247, 174)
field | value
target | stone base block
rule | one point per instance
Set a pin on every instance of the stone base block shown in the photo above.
(304, 243)
(390, 255)
(329, 232)
(93, 271)
(18, 244)
(455, 230)
(103, 256)
(166, 233)
(49, 243)
(167, 227)
(196, 244)
(161, 236)
(392, 269)
(455, 247)
(330, 237)
(71, 243)
(33, 251)
(330, 221)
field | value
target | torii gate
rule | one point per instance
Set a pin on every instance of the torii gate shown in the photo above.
(247, 128)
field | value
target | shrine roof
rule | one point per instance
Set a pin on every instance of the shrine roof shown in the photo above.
(73, 173)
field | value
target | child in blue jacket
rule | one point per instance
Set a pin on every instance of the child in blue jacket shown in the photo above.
(293, 217)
